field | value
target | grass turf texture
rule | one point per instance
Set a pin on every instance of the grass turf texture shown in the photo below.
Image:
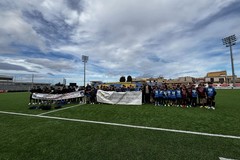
(36, 138)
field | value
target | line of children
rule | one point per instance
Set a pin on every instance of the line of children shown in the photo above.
(185, 96)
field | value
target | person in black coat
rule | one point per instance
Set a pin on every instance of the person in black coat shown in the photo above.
(147, 90)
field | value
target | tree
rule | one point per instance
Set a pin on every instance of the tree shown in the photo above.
(122, 79)
(129, 79)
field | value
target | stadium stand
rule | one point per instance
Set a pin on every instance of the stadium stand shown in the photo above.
(7, 84)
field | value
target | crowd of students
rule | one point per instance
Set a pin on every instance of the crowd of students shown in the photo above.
(184, 96)
(160, 95)
(165, 95)
(54, 90)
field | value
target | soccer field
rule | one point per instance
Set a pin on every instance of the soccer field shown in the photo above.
(119, 132)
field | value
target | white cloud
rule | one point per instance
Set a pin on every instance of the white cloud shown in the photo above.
(16, 31)
(157, 37)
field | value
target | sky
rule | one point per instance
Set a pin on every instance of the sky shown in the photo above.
(140, 38)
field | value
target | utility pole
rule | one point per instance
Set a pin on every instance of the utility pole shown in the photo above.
(229, 42)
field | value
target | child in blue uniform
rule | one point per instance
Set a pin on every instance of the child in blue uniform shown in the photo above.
(160, 95)
(169, 98)
(179, 96)
(194, 97)
(211, 93)
(173, 96)
(165, 97)
(156, 95)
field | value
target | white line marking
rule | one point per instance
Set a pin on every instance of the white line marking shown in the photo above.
(124, 125)
(59, 109)
(221, 158)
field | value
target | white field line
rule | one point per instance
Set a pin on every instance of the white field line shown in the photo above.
(222, 158)
(124, 125)
(59, 109)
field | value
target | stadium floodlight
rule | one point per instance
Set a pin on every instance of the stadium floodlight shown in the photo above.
(84, 60)
(229, 42)
(32, 80)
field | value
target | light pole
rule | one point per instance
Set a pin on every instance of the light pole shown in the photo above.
(32, 80)
(229, 42)
(84, 60)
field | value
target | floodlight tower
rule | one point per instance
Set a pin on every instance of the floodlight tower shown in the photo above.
(229, 42)
(32, 80)
(84, 60)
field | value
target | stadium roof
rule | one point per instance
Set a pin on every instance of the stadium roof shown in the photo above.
(6, 78)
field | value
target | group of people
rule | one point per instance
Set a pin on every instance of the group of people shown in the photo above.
(181, 95)
(165, 95)
(160, 95)
(53, 90)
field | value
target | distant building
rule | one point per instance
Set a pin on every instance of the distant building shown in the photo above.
(158, 80)
(219, 77)
(186, 80)
(173, 81)
(139, 80)
(181, 80)
(216, 77)
(237, 80)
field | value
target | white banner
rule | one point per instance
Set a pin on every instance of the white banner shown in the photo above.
(44, 96)
(126, 98)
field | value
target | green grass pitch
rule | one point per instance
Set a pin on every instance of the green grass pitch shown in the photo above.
(36, 138)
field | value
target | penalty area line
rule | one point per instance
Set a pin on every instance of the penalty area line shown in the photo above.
(123, 125)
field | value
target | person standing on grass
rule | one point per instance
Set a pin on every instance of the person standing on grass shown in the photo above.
(211, 93)
(184, 96)
(179, 96)
(173, 96)
(201, 95)
(156, 95)
(31, 100)
(93, 95)
(194, 96)
(88, 89)
(81, 89)
(143, 96)
(160, 95)
(169, 98)
(147, 90)
(189, 95)
(165, 96)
